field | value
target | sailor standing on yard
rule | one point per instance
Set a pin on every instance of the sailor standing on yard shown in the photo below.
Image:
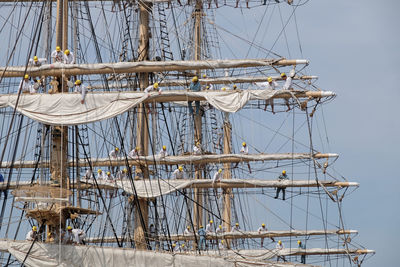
(179, 173)
(153, 87)
(287, 86)
(26, 85)
(281, 178)
(217, 176)
(194, 87)
(134, 152)
(279, 246)
(269, 85)
(235, 229)
(261, 230)
(69, 57)
(202, 238)
(303, 256)
(100, 175)
(57, 55)
(36, 62)
(32, 234)
(80, 88)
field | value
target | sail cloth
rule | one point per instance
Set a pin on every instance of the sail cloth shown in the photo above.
(52, 255)
(66, 109)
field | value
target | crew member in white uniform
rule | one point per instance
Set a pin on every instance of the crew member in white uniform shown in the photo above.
(179, 173)
(26, 85)
(37, 62)
(100, 175)
(163, 152)
(269, 85)
(197, 149)
(286, 86)
(153, 87)
(57, 55)
(32, 234)
(69, 57)
(78, 236)
(134, 152)
(80, 88)
(217, 176)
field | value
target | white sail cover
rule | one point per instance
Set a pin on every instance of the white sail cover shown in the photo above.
(52, 255)
(66, 109)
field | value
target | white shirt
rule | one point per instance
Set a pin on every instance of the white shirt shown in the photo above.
(30, 236)
(81, 89)
(187, 232)
(109, 177)
(279, 246)
(37, 63)
(58, 56)
(121, 175)
(177, 174)
(235, 229)
(197, 150)
(163, 153)
(26, 86)
(217, 176)
(268, 86)
(288, 84)
(101, 176)
(133, 153)
(78, 235)
(151, 88)
(209, 228)
(219, 230)
(244, 150)
(69, 59)
(88, 174)
(221, 246)
(262, 229)
(113, 154)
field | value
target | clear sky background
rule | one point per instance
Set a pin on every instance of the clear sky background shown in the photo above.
(353, 46)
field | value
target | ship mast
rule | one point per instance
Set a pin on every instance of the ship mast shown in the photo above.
(198, 198)
(142, 132)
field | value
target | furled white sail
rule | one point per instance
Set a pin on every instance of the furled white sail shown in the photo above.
(66, 109)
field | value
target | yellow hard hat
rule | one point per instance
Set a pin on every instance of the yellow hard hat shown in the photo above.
(195, 79)
(222, 241)
(117, 149)
(279, 242)
(78, 82)
(99, 170)
(220, 226)
(263, 225)
(69, 227)
(207, 87)
(298, 242)
(137, 148)
(183, 245)
(237, 224)
(188, 227)
(35, 58)
(223, 88)
(58, 49)
(211, 221)
(174, 245)
(204, 76)
(34, 228)
(201, 226)
(244, 144)
(108, 173)
(283, 74)
(197, 143)
(26, 76)
(66, 52)
(164, 147)
(234, 86)
(49, 234)
(125, 170)
(283, 172)
(155, 85)
(220, 170)
(269, 79)
(180, 168)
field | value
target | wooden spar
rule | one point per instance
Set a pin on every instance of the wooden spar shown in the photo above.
(57, 69)
(197, 122)
(227, 174)
(229, 235)
(175, 160)
(141, 210)
(203, 184)
(216, 80)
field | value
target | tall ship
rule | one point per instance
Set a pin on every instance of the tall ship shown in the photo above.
(133, 134)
